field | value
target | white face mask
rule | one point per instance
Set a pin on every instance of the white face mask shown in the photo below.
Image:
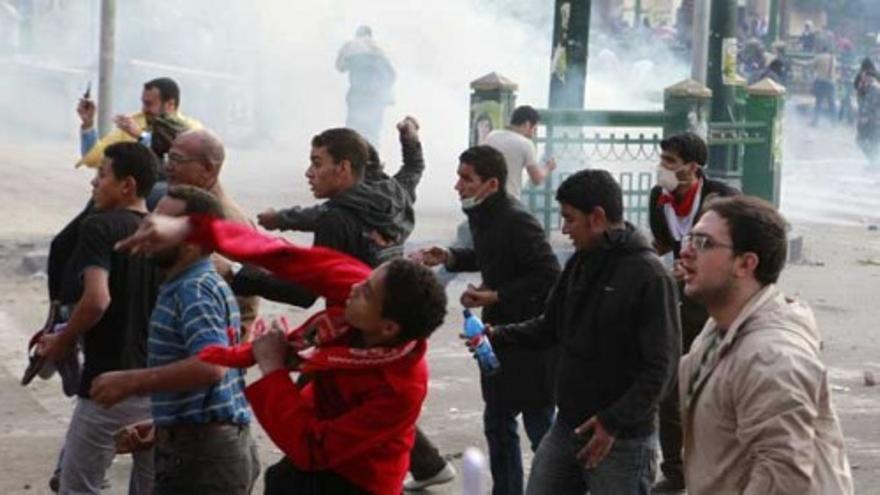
(667, 179)
(476, 199)
(472, 202)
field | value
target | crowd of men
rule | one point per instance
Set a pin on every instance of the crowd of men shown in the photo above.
(159, 280)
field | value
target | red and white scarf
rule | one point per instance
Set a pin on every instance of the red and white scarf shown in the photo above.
(320, 344)
(680, 215)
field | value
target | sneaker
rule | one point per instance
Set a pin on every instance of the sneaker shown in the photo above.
(445, 475)
(668, 486)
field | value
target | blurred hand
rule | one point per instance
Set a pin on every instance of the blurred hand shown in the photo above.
(550, 164)
(432, 256)
(599, 445)
(112, 387)
(409, 128)
(268, 219)
(155, 233)
(270, 350)
(127, 125)
(678, 270)
(475, 297)
(54, 346)
(86, 111)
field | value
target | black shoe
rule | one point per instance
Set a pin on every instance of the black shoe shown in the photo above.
(667, 485)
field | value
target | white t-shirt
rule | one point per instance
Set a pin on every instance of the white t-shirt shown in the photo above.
(519, 153)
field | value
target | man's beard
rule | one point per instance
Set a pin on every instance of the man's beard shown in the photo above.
(714, 294)
(166, 258)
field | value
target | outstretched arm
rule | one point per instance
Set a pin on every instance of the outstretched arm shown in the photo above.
(320, 270)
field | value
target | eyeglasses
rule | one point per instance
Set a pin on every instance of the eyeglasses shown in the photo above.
(178, 158)
(702, 242)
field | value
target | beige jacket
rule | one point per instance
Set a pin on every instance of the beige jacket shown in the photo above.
(759, 420)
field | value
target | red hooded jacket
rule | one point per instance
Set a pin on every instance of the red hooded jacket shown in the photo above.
(357, 417)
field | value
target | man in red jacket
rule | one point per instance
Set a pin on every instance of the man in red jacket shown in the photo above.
(351, 428)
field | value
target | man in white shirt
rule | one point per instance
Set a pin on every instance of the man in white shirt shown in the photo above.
(515, 143)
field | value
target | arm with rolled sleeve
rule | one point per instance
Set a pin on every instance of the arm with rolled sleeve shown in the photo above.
(659, 340)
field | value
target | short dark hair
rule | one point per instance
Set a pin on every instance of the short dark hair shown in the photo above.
(687, 146)
(414, 299)
(136, 161)
(755, 227)
(197, 201)
(524, 114)
(343, 143)
(587, 189)
(167, 87)
(488, 163)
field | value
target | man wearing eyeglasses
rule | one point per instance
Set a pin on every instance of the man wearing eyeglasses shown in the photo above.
(682, 190)
(756, 403)
(195, 159)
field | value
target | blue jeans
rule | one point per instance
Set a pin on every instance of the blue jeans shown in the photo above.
(629, 469)
(505, 457)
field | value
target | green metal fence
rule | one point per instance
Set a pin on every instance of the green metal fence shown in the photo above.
(627, 144)
(737, 138)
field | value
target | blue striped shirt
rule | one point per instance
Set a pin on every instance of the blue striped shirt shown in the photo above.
(193, 310)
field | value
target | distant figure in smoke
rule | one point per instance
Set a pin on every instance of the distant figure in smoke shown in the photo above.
(808, 37)
(825, 69)
(867, 85)
(371, 79)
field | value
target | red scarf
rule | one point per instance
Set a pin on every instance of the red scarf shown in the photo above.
(682, 208)
(320, 345)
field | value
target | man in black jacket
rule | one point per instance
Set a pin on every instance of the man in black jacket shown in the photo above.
(613, 315)
(518, 268)
(676, 201)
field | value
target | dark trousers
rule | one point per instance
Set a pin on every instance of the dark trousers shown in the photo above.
(284, 478)
(825, 99)
(205, 459)
(424, 458)
(505, 456)
(693, 317)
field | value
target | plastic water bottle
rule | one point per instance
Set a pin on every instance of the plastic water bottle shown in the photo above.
(476, 332)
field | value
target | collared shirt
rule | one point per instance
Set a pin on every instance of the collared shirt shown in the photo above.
(196, 309)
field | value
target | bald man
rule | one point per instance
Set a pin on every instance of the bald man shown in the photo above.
(195, 159)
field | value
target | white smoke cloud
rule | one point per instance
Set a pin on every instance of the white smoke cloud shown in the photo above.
(285, 51)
